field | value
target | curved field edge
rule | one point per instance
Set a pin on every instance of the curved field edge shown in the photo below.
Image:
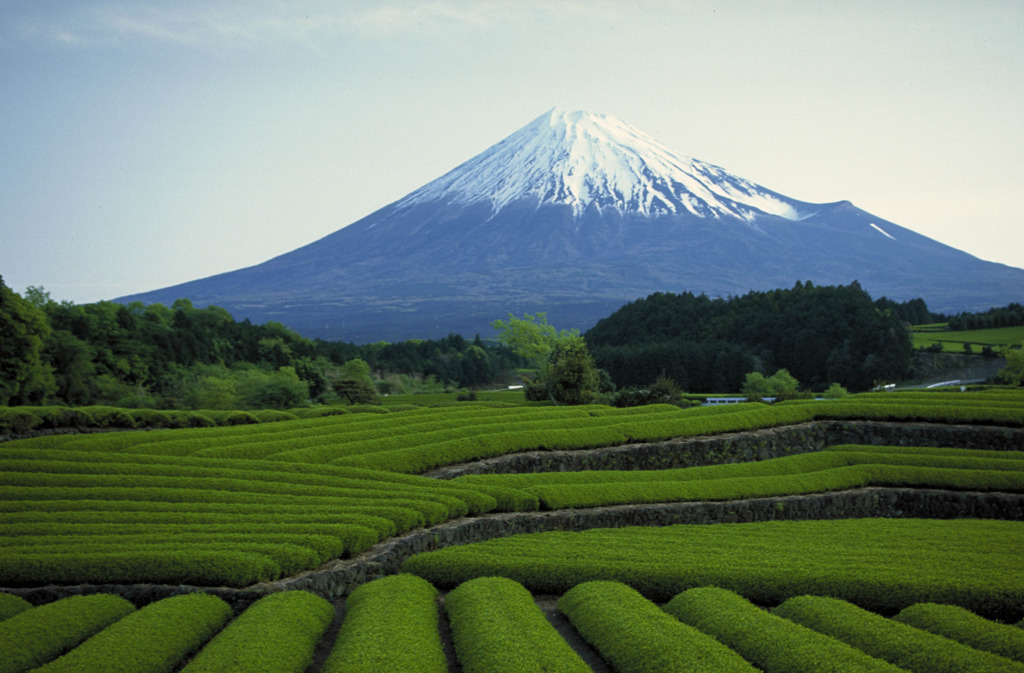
(25, 525)
(883, 565)
(338, 578)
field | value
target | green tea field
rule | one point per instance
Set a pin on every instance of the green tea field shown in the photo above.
(879, 531)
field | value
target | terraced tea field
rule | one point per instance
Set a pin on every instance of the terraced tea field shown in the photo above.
(329, 503)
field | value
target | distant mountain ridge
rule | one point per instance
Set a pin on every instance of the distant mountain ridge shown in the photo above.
(577, 214)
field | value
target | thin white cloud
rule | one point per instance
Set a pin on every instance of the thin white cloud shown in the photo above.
(234, 23)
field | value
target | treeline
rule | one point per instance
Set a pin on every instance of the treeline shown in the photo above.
(183, 357)
(1011, 315)
(822, 335)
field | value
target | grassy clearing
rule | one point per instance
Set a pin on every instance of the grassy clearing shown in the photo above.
(953, 342)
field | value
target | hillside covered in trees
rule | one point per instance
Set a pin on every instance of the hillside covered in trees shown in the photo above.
(822, 335)
(181, 356)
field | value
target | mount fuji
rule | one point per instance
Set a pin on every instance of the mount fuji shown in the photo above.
(577, 214)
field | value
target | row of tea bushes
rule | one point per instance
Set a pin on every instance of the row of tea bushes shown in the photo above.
(391, 624)
(835, 479)
(18, 458)
(20, 420)
(277, 633)
(681, 423)
(161, 564)
(102, 632)
(635, 636)
(836, 468)
(11, 605)
(767, 641)
(905, 646)
(496, 626)
(829, 457)
(956, 623)
(417, 440)
(32, 637)
(258, 441)
(70, 517)
(104, 513)
(154, 638)
(881, 564)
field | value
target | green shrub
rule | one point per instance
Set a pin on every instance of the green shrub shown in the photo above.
(767, 641)
(318, 412)
(635, 635)
(155, 639)
(11, 605)
(274, 415)
(188, 419)
(497, 627)
(352, 538)
(35, 636)
(965, 627)
(62, 417)
(150, 418)
(17, 420)
(276, 634)
(230, 417)
(391, 624)
(905, 646)
(367, 409)
(161, 566)
(109, 417)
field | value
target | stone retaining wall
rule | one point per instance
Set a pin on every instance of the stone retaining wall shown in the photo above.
(338, 578)
(744, 446)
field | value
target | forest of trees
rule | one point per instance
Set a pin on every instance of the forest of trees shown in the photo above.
(181, 356)
(1011, 315)
(821, 335)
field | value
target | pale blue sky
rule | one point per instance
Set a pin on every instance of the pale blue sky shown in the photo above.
(146, 143)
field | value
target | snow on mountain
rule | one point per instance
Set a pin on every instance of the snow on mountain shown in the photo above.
(883, 231)
(583, 159)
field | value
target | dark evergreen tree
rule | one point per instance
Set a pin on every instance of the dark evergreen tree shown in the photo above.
(820, 334)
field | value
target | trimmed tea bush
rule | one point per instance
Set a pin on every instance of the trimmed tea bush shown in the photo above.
(965, 627)
(773, 644)
(635, 636)
(391, 624)
(11, 605)
(905, 646)
(35, 636)
(152, 640)
(276, 634)
(496, 628)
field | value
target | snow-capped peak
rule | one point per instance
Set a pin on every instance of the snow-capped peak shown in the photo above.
(583, 159)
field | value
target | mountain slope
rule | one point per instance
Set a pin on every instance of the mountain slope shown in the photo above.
(576, 214)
